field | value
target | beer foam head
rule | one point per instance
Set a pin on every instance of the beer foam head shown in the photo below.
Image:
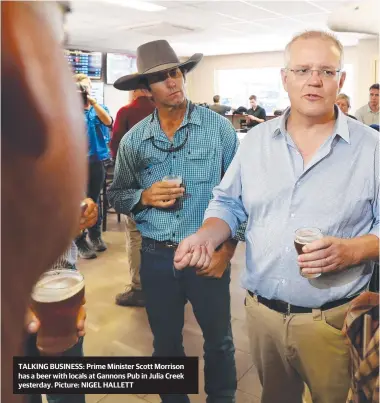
(308, 235)
(57, 285)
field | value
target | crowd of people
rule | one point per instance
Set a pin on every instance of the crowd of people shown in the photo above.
(315, 166)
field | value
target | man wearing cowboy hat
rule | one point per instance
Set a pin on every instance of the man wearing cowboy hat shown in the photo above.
(198, 145)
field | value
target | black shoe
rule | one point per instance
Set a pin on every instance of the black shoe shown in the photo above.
(98, 244)
(84, 249)
(130, 298)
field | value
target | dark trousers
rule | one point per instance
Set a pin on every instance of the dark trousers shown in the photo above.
(31, 350)
(96, 176)
(167, 291)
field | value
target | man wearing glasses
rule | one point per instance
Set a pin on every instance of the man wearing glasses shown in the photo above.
(312, 167)
(196, 146)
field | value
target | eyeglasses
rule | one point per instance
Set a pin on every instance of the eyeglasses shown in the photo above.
(162, 76)
(329, 74)
(172, 149)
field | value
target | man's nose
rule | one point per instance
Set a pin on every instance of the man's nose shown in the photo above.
(170, 82)
(315, 78)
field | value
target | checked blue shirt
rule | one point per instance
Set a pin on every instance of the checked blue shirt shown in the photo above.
(211, 145)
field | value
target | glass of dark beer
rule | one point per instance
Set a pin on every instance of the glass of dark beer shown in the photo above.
(56, 300)
(302, 237)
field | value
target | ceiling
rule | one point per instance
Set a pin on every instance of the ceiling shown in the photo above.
(211, 27)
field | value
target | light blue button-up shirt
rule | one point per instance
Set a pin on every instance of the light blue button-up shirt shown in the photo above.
(338, 192)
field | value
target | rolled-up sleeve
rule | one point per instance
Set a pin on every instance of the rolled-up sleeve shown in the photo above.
(124, 193)
(227, 203)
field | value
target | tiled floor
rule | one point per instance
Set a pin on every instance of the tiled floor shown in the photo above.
(119, 331)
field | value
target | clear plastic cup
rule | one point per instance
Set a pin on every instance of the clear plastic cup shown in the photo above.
(302, 237)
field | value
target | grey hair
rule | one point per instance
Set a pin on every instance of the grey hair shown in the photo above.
(327, 36)
(345, 97)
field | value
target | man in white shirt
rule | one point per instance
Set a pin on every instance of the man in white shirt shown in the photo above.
(369, 113)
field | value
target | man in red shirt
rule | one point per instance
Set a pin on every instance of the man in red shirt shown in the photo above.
(140, 107)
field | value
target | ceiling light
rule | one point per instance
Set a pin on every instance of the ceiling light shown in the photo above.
(137, 5)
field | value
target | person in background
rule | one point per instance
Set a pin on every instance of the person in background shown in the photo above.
(369, 113)
(344, 104)
(183, 139)
(256, 114)
(67, 261)
(141, 106)
(218, 108)
(98, 122)
(43, 161)
(294, 172)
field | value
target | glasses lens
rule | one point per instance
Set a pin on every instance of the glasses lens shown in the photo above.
(158, 77)
(175, 73)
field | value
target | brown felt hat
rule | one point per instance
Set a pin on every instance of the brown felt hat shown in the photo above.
(154, 57)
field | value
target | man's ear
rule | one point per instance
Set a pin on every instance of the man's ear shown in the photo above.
(284, 79)
(342, 80)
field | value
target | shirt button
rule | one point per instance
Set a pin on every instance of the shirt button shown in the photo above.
(292, 215)
(177, 215)
(287, 249)
(283, 281)
(173, 233)
(173, 157)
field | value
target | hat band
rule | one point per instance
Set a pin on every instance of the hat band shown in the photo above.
(161, 67)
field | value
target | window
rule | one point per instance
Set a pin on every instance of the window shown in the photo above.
(235, 86)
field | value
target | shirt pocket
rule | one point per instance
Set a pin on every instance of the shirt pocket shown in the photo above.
(153, 170)
(198, 164)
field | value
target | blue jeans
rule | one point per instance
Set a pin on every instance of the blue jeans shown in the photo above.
(167, 291)
(75, 351)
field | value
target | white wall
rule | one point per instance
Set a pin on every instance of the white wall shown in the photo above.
(114, 99)
(201, 85)
(367, 51)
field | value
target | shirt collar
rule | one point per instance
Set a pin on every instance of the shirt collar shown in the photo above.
(369, 110)
(340, 128)
(154, 123)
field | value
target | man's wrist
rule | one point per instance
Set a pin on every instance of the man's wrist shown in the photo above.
(143, 200)
(362, 248)
(229, 247)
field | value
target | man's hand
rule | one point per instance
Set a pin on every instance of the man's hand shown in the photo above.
(326, 255)
(89, 215)
(193, 251)
(251, 117)
(161, 195)
(219, 261)
(32, 324)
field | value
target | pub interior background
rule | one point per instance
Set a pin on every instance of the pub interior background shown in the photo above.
(242, 43)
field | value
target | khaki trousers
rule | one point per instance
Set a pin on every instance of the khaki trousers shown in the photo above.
(133, 247)
(289, 351)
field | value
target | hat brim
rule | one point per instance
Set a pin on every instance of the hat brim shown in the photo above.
(132, 81)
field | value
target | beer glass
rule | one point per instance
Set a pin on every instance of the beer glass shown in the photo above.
(302, 237)
(56, 300)
(175, 180)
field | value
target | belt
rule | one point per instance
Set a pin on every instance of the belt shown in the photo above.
(162, 244)
(287, 309)
(166, 244)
